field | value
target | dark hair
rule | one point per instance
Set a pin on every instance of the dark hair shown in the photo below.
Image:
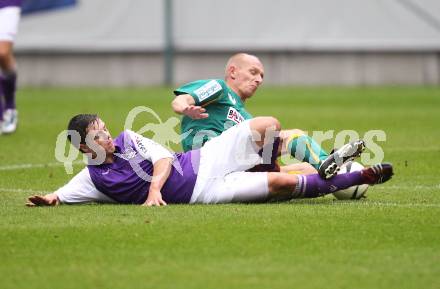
(80, 123)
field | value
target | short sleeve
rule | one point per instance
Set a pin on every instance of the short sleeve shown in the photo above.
(203, 91)
(149, 149)
(80, 189)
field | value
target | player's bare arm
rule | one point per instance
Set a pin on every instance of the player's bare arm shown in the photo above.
(161, 172)
(185, 104)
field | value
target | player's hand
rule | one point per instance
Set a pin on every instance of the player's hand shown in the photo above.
(37, 200)
(154, 199)
(195, 112)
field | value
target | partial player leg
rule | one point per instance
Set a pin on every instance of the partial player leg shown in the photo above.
(1, 110)
(239, 148)
(236, 150)
(286, 186)
(237, 187)
(264, 130)
(8, 79)
(299, 169)
(9, 18)
(250, 187)
(302, 147)
(7, 60)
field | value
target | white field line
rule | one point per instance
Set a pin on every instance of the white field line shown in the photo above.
(417, 187)
(413, 148)
(24, 191)
(386, 204)
(35, 166)
(350, 203)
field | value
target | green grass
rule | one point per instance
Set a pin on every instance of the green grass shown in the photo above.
(389, 240)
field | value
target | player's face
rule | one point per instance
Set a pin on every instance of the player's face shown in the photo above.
(101, 136)
(249, 76)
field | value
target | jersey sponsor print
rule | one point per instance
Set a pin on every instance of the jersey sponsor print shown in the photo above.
(207, 90)
(235, 116)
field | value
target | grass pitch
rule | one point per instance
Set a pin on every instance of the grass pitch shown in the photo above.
(389, 240)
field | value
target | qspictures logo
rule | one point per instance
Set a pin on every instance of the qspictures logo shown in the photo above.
(165, 135)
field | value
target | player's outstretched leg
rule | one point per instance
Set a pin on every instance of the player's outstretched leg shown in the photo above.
(286, 186)
(330, 166)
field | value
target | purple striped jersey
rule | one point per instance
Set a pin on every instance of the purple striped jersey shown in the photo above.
(10, 3)
(126, 180)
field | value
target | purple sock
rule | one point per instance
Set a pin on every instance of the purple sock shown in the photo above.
(1, 106)
(1, 98)
(8, 83)
(312, 186)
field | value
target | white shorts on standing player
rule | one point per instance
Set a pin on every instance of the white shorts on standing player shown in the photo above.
(9, 19)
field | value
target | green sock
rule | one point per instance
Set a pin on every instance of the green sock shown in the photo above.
(304, 148)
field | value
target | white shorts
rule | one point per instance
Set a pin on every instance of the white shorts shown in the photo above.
(223, 161)
(9, 18)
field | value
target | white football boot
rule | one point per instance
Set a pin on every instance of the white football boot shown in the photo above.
(10, 119)
(333, 163)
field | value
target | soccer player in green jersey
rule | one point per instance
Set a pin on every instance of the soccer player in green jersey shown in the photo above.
(211, 106)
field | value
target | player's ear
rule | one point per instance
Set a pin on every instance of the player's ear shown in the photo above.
(232, 71)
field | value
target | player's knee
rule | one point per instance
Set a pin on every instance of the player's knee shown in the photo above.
(271, 122)
(262, 124)
(263, 128)
(276, 123)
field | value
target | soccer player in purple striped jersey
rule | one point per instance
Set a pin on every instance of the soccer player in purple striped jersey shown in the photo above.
(9, 18)
(132, 169)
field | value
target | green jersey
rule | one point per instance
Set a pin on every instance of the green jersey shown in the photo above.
(223, 105)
